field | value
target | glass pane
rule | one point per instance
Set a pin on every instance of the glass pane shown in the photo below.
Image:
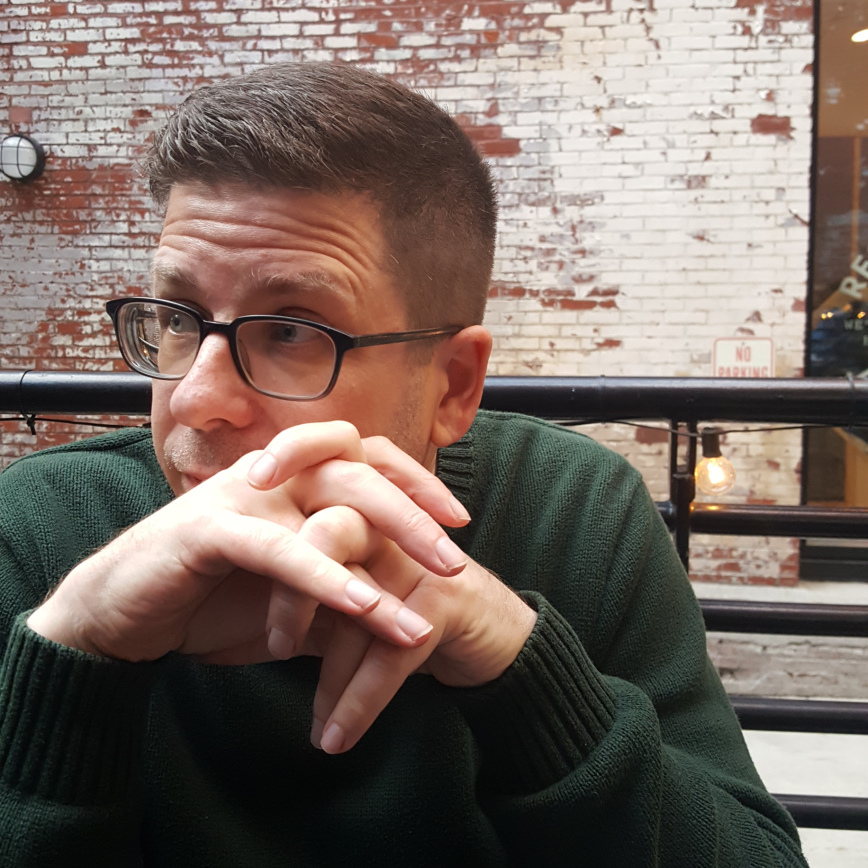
(837, 461)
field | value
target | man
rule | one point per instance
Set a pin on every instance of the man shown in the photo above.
(266, 650)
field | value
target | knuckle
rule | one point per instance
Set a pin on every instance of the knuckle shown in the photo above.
(415, 521)
(351, 474)
(353, 709)
(318, 574)
(332, 524)
(379, 443)
(283, 603)
(282, 440)
(347, 429)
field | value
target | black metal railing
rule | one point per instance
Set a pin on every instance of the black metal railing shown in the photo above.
(827, 401)
(684, 403)
(800, 715)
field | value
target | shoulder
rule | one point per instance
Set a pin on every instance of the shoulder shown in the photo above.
(540, 454)
(119, 460)
(82, 489)
(109, 467)
(491, 427)
(120, 440)
(521, 472)
(553, 512)
(125, 449)
(60, 504)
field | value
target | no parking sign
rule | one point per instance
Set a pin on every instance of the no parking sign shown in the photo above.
(743, 357)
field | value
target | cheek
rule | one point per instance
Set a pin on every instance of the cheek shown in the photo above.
(161, 419)
(161, 416)
(364, 399)
(388, 400)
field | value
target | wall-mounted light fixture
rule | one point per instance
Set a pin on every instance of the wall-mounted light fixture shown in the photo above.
(21, 158)
(860, 36)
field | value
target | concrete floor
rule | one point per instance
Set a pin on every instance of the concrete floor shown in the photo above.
(793, 762)
(827, 765)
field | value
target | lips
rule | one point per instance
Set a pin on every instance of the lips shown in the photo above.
(190, 478)
(189, 457)
(189, 482)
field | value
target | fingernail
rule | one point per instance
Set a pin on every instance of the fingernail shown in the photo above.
(458, 510)
(450, 555)
(361, 594)
(412, 625)
(316, 733)
(262, 471)
(332, 739)
(280, 645)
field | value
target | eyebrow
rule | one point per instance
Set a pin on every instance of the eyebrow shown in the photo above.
(175, 278)
(305, 281)
(170, 276)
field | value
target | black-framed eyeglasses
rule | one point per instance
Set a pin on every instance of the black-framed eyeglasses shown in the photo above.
(279, 356)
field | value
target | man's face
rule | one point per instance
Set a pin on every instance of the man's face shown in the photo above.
(234, 251)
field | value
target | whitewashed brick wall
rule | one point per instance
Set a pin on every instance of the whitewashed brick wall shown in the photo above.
(653, 159)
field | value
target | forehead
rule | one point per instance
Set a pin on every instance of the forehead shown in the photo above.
(235, 247)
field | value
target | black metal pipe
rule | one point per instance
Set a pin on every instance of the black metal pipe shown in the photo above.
(802, 619)
(827, 812)
(790, 521)
(74, 393)
(683, 487)
(828, 401)
(801, 715)
(741, 519)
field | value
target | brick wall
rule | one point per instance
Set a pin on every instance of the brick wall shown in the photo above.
(653, 158)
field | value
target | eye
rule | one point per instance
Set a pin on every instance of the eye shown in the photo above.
(286, 333)
(173, 322)
(292, 334)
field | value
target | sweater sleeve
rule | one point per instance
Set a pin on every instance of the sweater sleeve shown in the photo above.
(575, 763)
(610, 740)
(71, 732)
(71, 724)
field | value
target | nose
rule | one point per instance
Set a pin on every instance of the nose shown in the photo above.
(212, 393)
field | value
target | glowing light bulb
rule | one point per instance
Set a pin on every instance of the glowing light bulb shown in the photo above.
(860, 36)
(714, 474)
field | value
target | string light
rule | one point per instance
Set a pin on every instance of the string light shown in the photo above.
(714, 474)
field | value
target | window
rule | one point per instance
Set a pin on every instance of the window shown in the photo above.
(836, 465)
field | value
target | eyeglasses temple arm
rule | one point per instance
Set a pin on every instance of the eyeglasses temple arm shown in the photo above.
(402, 337)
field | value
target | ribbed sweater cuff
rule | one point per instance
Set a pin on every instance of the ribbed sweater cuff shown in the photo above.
(543, 717)
(72, 724)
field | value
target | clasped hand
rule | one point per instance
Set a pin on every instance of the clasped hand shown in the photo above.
(322, 544)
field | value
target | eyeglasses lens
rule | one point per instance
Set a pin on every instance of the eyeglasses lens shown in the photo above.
(286, 358)
(278, 357)
(159, 340)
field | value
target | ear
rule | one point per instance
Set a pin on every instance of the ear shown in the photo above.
(461, 364)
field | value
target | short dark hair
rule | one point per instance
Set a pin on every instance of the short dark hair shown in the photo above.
(333, 128)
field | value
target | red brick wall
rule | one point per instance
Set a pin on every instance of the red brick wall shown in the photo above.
(653, 158)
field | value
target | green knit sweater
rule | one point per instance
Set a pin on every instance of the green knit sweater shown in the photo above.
(609, 741)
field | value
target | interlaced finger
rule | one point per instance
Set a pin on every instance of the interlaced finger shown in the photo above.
(340, 533)
(302, 446)
(378, 677)
(385, 506)
(267, 549)
(422, 487)
(348, 642)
